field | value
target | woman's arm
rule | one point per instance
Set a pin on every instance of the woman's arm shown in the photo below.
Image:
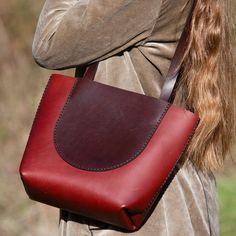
(76, 32)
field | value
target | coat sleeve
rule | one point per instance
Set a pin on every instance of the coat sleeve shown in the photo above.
(70, 33)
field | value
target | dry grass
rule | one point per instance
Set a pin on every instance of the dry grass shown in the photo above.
(21, 86)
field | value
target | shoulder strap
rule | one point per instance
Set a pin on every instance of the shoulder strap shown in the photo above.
(173, 72)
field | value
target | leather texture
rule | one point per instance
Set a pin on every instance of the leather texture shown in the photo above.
(110, 132)
(49, 179)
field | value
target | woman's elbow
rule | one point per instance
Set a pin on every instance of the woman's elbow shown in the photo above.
(56, 57)
(49, 56)
(43, 57)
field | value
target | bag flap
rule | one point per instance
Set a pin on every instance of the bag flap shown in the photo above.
(103, 127)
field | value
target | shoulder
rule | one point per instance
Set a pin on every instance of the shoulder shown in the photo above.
(170, 20)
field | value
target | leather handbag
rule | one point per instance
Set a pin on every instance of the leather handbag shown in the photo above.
(104, 152)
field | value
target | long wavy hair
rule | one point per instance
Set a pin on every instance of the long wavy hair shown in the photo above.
(208, 84)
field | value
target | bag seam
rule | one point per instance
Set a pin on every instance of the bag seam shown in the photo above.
(133, 157)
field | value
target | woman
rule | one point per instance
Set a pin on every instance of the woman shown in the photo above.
(134, 42)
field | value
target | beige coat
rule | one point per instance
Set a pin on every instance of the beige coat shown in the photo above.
(134, 41)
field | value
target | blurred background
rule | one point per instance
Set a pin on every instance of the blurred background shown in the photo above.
(21, 85)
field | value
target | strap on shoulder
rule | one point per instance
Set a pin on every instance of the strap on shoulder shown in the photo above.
(175, 65)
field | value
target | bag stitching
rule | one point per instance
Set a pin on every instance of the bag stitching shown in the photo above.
(171, 172)
(114, 166)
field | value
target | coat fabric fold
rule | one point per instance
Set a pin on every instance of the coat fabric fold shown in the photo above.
(134, 42)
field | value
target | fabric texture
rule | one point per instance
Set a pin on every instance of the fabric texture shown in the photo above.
(134, 42)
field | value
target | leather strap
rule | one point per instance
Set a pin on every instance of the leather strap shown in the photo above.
(91, 71)
(173, 72)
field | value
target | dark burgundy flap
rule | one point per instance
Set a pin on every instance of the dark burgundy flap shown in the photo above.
(102, 127)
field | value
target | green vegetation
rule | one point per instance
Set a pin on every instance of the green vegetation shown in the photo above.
(227, 203)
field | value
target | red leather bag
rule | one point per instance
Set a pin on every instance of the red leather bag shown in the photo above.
(104, 152)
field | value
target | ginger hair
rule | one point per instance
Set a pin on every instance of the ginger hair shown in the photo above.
(207, 85)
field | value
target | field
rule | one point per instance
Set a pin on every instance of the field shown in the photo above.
(227, 200)
(21, 86)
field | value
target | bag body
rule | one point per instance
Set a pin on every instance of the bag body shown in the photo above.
(104, 152)
(120, 194)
